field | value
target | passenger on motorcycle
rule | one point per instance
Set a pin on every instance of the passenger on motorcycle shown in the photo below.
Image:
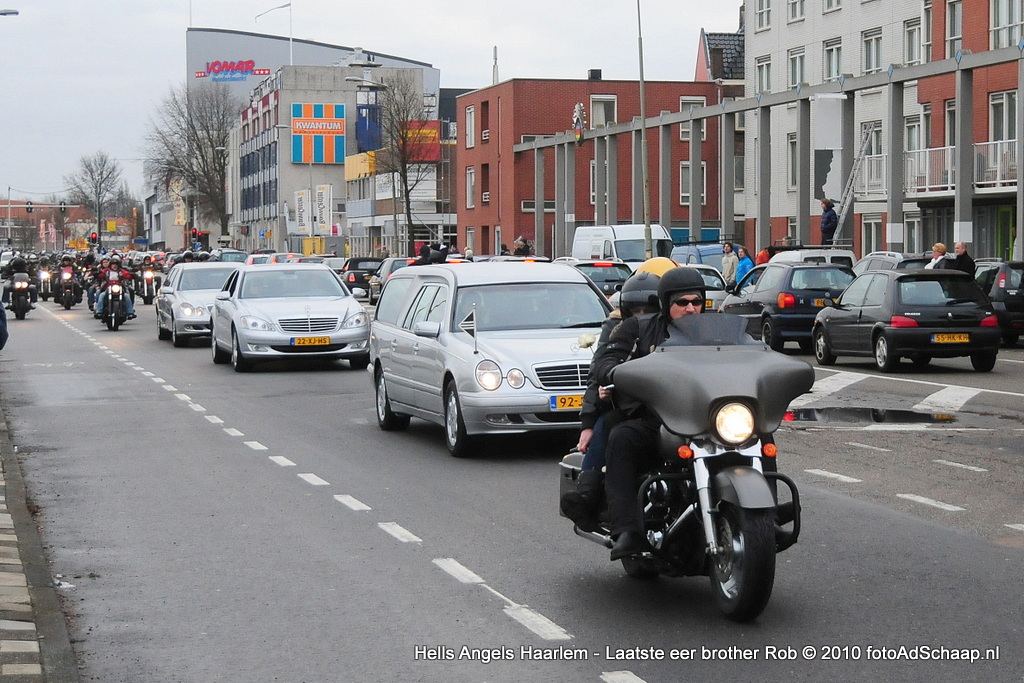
(19, 265)
(632, 442)
(123, 276)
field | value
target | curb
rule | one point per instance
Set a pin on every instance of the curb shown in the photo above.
(58, 657)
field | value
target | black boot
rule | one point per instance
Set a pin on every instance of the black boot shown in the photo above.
(626, 544)
(583, 505)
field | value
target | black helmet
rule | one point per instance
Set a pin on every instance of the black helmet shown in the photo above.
(66, 258)
(18, 264)
(203, 256)
(640, 290)
(678, 280)
(188, 256)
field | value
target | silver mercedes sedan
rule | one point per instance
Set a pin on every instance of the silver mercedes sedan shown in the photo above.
(287, 310)
(185, 300)
(484, 348)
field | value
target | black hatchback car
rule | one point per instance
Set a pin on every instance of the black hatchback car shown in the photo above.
(1001, 281)
(357, 271)
(780, 300)
(919, 315)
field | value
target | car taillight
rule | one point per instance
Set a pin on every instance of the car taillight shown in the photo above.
(989, 321)
(1002, 281)
(786, 300)
(410, 261)
(902, 321)
(603, 264)
(351, 277)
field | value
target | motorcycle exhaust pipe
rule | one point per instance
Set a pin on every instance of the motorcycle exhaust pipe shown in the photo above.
(594, 537)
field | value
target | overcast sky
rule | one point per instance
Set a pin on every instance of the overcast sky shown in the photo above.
(83, 75)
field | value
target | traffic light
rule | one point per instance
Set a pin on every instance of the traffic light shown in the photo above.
(94, 237)
(195, 233)
(63, 207)
(28, 207)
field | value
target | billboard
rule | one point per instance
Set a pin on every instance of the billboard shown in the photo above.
(322, 209)
(424, 138)
(302, 213)
(318, 133)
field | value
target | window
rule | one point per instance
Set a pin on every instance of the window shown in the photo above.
(1002, 115)
(926, 126)
(954, 26)
(738, 181)
(950, 123)
(854, 294)
(686, 104)
(1005, 21)
(912, 133)
(763, 15)
(391, 301)
(832, 62)
(738, 117)
(926, 34)
(791, 227)
(763, 67)
(872, 50)
(529, 206)
(796, 67)
(871, 235)
(470, 126)
(593, 182)
(791, 161)
(874, 147)
(829, 5)
(602, 110)
(684, 182)
(421, 306)
(913, 234)
(796, 9)
(531, 138)
(876, 291)
(470, 187)
(912, 41)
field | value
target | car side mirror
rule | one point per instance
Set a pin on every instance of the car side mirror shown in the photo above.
(358, 292)
(618, 287)
(167, 290)
(426, 328)
(730, 289)
(222, 296)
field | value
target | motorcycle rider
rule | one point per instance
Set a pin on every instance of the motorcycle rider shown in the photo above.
(124, 276)
(633, 441)
(67, 261)
(18, 264)
(639, 296)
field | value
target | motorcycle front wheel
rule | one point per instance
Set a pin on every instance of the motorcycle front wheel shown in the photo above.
(743, 574)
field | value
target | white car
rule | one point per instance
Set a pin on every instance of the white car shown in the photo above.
(288, 310)
(184, 303)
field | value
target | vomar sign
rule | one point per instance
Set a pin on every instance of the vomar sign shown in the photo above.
(220, 71)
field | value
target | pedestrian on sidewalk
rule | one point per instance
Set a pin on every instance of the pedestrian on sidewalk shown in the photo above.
(745, 265)
(962, 260)
(940, 259)
(729, 263)
(829, 221)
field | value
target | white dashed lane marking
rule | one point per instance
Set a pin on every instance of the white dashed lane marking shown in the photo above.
(183, 397)
(158, 380)
(1015, 527)
(231, 431)
(832, 475)
(868, 447)
(826, 387)
(962, 466)
(928, 501)
(281, 460)
(621, 677)
(948, 400)
(455, 569)
(537, 622)
(313, 480)
(168, 387)
(352, 503)
(398, 531)
(196, 407)
(213, 419)
(147, 374)
(255, 445)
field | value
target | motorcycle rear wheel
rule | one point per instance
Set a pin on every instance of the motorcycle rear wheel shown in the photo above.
(742, 577)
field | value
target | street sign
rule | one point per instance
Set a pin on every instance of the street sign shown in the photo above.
(28, 207)
(263, 233)
(111, 225)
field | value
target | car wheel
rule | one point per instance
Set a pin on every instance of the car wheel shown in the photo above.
(161, 333)
(458, 442)
(238, 361)
(920, 361)
(885, 360)
(822, 351)
(983, 361)
(769, 337)
(387, 419)
(176, 338)
(359, 363)
(219, 356)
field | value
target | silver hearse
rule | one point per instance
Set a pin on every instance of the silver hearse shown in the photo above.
(484, 348)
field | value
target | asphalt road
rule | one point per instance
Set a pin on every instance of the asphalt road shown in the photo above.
(196, 555)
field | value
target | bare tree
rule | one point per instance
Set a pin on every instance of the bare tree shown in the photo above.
(404, 129)
(94, 183)
(188, 141)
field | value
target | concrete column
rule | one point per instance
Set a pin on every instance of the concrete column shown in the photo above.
(696, 179)
(558, 234)
(1018, 241)
(963, 156)
(570, 197)
(895, 167)
(600, 181)
(612, 143)
(803, 171)
(665, 174)
(538, 201)
(764, 178)
(637, 177)
(849, 137)
(727, 174)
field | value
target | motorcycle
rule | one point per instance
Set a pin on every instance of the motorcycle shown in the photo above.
(67, 287)
(20, 295)
(710, 504)
(45, 284)
(114, 312)
(146, 285)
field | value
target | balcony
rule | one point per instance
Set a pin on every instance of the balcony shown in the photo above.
(995, 164)
(931, 171)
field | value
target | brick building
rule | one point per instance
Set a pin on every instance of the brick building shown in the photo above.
(495, 187)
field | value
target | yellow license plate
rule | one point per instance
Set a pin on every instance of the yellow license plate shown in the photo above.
(709, 305)
(820, 303)
(951, 338)
(572, 402)
(311, 341)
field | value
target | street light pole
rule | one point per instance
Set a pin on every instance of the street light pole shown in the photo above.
(648, 246)
(8, 12)
(291, 53)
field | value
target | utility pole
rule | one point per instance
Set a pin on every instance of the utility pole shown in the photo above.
(648, 245)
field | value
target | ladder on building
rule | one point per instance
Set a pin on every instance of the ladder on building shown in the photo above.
(846, 201)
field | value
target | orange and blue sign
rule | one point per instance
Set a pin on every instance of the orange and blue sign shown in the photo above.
(318, 133)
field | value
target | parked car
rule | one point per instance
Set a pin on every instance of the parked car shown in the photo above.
(335, 263)
(837, 256)
(357, 271)
(705, 254)
(387, 268)
(280, 311)
(780, 300)
(484, 348)
(184, 302)
(625, 242)
(715, 293)
(257, 259)
(891, 260)
(919, 315)
(1001, 281)
(608, 274)
(283, 257)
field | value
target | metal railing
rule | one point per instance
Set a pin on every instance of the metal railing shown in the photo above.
(929, 170)
(872, 176)
(995, 163)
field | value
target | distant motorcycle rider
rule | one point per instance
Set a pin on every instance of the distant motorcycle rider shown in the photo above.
(67, 261)
(122, 276)
(18, 264)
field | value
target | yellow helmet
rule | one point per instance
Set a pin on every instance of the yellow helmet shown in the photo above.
(659, 265)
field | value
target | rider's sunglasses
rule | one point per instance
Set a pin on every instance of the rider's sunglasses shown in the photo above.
(684, 301)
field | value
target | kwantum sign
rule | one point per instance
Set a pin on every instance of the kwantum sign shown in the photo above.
(220, 71)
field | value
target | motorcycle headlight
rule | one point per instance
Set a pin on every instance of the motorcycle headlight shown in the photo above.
(45, 275)
(148, 275)
(21, 285)
(357, 320)
(65, 276)
(251, 322)
(515, 378)
(115, 289)
(734, 423)
(488, 375)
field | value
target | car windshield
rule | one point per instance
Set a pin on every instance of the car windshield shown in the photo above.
(913, 264)
(713, 259)
(363, 265)
(712, 280)
(821, 278)
(633, 250)
(233, 256)
(298, 283)
(1013, 276)
(334, 263)
(531, 306)
(204, 278)
(396, 264)
(932, 291)
(605, 274)
(260, 259)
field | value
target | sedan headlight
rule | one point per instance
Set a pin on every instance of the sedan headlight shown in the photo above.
(488, 375)
(251, 322)
(515, 378)
(734, 423)
(357, 320)
(190, 311)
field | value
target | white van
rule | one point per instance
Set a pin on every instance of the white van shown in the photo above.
(839, 257)
(625, 242)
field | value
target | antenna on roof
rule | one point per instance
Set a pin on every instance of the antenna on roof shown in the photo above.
(494, 69)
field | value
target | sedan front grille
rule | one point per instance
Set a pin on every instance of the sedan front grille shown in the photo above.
(308, 325)
(569, 376)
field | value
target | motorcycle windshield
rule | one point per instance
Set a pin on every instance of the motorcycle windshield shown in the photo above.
(708, 361)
